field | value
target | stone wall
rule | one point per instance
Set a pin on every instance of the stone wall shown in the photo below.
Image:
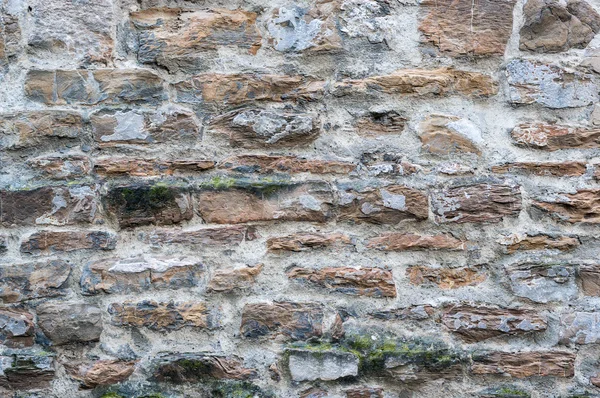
(325, 198)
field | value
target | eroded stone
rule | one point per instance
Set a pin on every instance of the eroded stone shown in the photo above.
(525, 364)
(33, 128)
(17, 329)
(295, 321)
(445, 278)
(148, 167)
(397, 241)
(27, 281)
(66, 323)
(552, 137)
(100, 373)
(234, 279)
(182, 368)
(285, 164)
(580, 328)
(162, 316)
(307, 365)
(518, 242)
(580, 207)
(62, 167)
(543, 282)
(553, 169)
(304, 241)
(44, 242)
(448, 135)
(226, 235)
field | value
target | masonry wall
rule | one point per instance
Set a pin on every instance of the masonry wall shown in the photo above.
(327, 198)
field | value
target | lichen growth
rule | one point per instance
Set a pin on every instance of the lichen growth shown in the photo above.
(111, 395)
(510, 392)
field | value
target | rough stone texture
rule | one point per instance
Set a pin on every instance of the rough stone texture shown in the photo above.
(525, 364)
(307, 241)
(161, 316)
(582, 206)
(70, 323)
(555, 26)
(447, 135)
(19, 372)
(148, 167)
(445, 278)
(477, 203)
(285, 164)
(234, 279)
(100, 373)
(227, 235)
(17, 329)
(542, 282)
(400, 242)
(517, 242)
(29, 129)
(464, 28)
(549, 85)
(565, 169)
(580, 328)
(590, 279)
(375, 124)
(296, 321)
(552, 137)
(326, 365)
(365, 392)
(19, 282)
(194, 367)
(65, 241)
(62, 167)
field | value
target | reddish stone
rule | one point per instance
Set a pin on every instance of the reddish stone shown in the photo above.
(307, 241)
(445, 278)
(525, 364)
(396, 241)
(295, 321)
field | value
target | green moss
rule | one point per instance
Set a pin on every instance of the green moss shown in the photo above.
(238, 389)
(219, 183)
(512, 392)
(153, 395)
(111, 395)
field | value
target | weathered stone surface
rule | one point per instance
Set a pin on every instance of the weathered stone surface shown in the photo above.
(92, 87)
(580, 328)
(27, 281)
(44, 242)
(479, 322)
(376, 124)
(370, 282)
(314, 392)
(162, 316)
(65, 323)
(307, 365)
(552, 137)
(197, 367)
(448, 135)
(555, 26)
(62, 167)
(397, 241)
(47, 205)
(226, 235)
(311, 30)
(463, 28)
(137, 274)
(517, 242)
(549, 85)
(235, 89)
(445, 278)
(554, 169)
(365, 392)
(304, 241)
(114, 127)
(580, 207)
(3, 244)
(295, 321)
(589, 274)
(16, 328)
(234, 279)
(542, 282)
(414, 312)
(82, 32)
(114, 166)
(10, 37)
(380, 163)
(157, 204)
(100, 373)
(476, 203)
(228, 201)
(285, 164)
(439, 82)
(176, 38)
(33, 128)
(26, 372)
(270, 128)
(387, 205)
(525, 364)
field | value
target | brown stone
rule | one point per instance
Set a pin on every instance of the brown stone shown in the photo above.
(180, 368)
(295, 321)
(267, 128)
(92, 87)
(376, 124)
(234, 279)
(397, 241)
(48, 205)
(162, 316)
(595, 380)
(414, 312)
(171, 125)
(515, 243)
(370, 282)
(114, 166)
(100, 373)
(438, 82)
(525, 364)
(554, 169)
(364, 392)
(235, 89)
(34, 128)
(445, 278)
(555, 26)
(304, 241)
(448, 135)
(158, 204)
(62, 167)
(65, 323)
(480, 322)
(226, 235)
(589, 274)
(233, 202)
(45, 242)
(477, 203)
(27, 281)
(582, 206)
(314, 392)
(285, 164)
(10, 37)
(21, 372)
(137, 275)
(552, 137)
(386, 205)
(17, 329)
(173, 37)
(464, 28)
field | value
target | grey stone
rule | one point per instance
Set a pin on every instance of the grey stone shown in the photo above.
(70, 323)
(543, 283)
(323, 365)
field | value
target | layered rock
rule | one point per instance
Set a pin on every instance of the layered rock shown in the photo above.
(295, 321)
(376, 124)
(552, 137)
(580, 207)
(304, 241)
(32, 128)
(396, 241)
(197, 367)
(580, 328)
(542, 282)
(62, 167)
(449, 135)
(100, 373)
(114, 166)
(162, 316)
(222, 236)
(525, 364)
(65, 323)
(553, 169)
(285, 164)
(445, 278)
(518, 242)
(66, 241)
(234, 279)
(21, 372)
(17, 329)
(20, 282)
